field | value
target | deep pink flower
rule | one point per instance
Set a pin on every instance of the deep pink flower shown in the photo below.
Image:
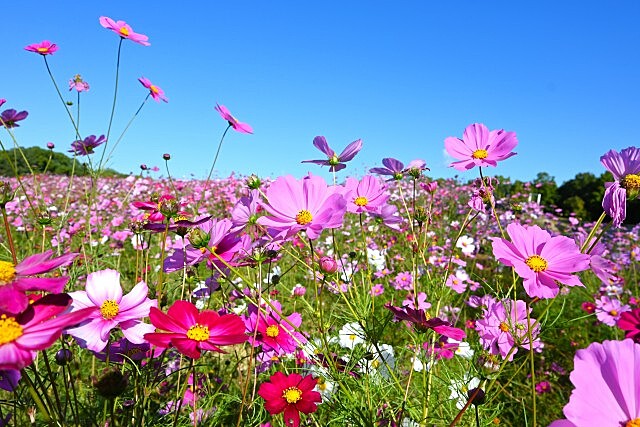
(606, 393)
(10, 118)
(625, 167)
(15, 280)
(629, 322)
(233, 122)
(43, 48)
(306, 204)
(122, 29)
(366, 195)
(334, 161)
(156, 93)
(442, 348)
(541, 260)
(35, 329)
(480, 147)
(290, 394)
(191, 332)
(423, 322)
(78, 84)
(109, 309)
(274, 333)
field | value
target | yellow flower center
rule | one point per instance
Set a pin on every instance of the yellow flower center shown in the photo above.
(631, 182)
(480, 154)
(304, 217)
(613, 312)
(198, 333)
(537, 263)
(504, 327)
(292, 395)
(109, 309)
(273, 331)
(361, 201)
(7, 272)
(333, 160)
(153, 89)
(10, 330)
(633, 423)
(77, 78)
(124, 32)
(43, 49)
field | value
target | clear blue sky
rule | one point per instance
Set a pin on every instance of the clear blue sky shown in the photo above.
(403, 76)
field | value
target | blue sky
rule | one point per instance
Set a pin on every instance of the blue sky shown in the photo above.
(402, 76)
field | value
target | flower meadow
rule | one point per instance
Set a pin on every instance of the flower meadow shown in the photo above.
(389, 299)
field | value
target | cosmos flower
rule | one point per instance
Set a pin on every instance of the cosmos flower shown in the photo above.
(629, 322)
(392, 167)
(608, 310)
(334, 161)
(191, 332)
(307, 204)
(111, 309)
(274, 333)
(423, 322)
(122, 29)
(233, 122)
(625, 167)
(123, 350)
(541, 260)
(43, 48)
(156, 93)
(366, 195)
(291, 394)
(10, 118)
(15, 280)
(78, 84)
(480, 147)
(606, 393)
(85, 146)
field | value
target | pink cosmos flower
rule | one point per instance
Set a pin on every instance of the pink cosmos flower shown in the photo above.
(480, 147)
(625, 167)
(421, 320)
(334, 161)
(78, 84)
(541, 260)
(366, 195)
(156, 93)
(109, 309)
(43, 48)
(629, 322)
(290, 394)
(84, 147)
(233, 122)
(606, 393)
(15, 280)
(191, 332)
(307, 205)
(274, 333)
(35, 329)
(122, 29)
(608, 310)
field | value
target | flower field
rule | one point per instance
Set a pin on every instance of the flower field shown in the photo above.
(389, 299)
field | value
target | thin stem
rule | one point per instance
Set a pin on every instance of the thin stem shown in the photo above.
(7, 230)
(126, 128)
(113, 107)
(66, 107)
(215, 159)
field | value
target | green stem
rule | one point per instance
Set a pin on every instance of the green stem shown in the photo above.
(215, 159)
(66, 107)
(113, 106)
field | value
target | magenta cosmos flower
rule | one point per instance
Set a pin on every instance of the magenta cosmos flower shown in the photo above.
(334, 161)
(84, 147)
(290, 394)
(272, 332)
(35, 329)
(15, 280)
(308, 204)
(480, 147)
(191, 332)
(109, 309)
(606, 393)
(122, 29)
(156, 93)
(43, 48)
(541, 260)
(629, 322)
(233, 122)
(366, 195)
(625, 167)
(10, 118)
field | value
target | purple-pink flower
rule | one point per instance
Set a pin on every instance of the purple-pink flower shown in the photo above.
(10, 118)
(122, 29)
(156, 92)
(109, 309)
(78, 84)
(334, 161)
(272, 331)
(45, 47)
(366, 195)
(480, 147)
(541, 260)
(625, 167)
(307, 204)
(233, 122)
(83, 147)
(606, 393)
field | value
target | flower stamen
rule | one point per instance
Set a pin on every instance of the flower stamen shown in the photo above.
(7, 272)
(304, 217)
(10, 330)
(109, 309)
(537, 263)
(198, 332)
(480, 154)
(292, 395)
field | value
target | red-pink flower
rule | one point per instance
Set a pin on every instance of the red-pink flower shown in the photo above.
(43, 48)
(480, 147)
(233, 122)
(122, 29)
(15, 280)
(274, 333)
(290, 394)
(156, 93)
(190, 331)
(629, 322)
(34, 329)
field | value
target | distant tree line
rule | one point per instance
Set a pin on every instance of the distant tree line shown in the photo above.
(39, 159)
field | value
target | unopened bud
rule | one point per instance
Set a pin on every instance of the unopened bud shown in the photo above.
(476, 395)
(63, 356)
(111, 384)
(199, 239)
(166, 156)
(51, 145)
(168, 206)
(328, 265)
(253, 182)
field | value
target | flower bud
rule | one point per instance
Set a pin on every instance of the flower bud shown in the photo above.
(111, 384)
(199, 239)
(328, 265)
(166, 156)
(476, 395)
(63, 356)
(51, 145)
(253, 182)
(144, 167)
(168, 206)
(6, 193)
